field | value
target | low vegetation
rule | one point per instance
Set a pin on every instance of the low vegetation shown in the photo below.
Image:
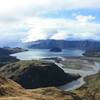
(91, 89)
(9, 90)
(77, 63)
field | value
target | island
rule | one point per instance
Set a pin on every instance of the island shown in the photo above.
(55, 49)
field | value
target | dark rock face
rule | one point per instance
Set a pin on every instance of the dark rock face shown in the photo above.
(56, 49)
(32, 75)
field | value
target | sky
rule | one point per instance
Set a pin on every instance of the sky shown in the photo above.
(31, 20)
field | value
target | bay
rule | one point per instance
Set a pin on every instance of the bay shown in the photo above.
(45, 53)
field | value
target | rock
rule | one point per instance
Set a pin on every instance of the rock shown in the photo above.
(35, 74)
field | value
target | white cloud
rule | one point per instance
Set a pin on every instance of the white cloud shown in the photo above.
(22, 8)
(35, 34)
(19, 18)
(60, 35)
(84, 19)
(42, 28)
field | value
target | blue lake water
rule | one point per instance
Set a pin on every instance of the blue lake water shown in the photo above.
(45, 53)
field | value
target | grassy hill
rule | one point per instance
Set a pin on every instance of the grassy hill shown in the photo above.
(36, 73)
(10, 90)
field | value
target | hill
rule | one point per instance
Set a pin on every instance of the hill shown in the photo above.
(35, 74)
(10, 90)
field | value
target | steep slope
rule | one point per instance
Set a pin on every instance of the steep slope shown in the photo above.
(9, 90)
(9, 87)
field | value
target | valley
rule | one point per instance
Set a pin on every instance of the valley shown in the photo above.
(16, 79)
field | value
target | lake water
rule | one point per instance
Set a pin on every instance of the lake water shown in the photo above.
(45, 53)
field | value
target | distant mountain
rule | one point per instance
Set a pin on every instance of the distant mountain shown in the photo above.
(64, 44)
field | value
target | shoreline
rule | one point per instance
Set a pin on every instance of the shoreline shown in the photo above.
(76, 84)
(81, 81)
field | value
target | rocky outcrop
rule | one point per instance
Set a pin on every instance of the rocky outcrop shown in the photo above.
(35, 74)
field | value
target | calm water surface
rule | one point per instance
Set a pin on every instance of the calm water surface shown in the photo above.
(45, 53)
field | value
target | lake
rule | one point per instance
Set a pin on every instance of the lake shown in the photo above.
(45, 53)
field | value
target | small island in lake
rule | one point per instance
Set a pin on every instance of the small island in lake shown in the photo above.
(55, 49)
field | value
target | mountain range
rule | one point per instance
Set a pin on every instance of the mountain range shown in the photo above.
(65, 44)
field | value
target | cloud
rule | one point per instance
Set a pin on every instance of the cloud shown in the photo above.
(10, 9)
(84, 19)
(62, 35)
(35, 34)
(21, 20)
(61, 28)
